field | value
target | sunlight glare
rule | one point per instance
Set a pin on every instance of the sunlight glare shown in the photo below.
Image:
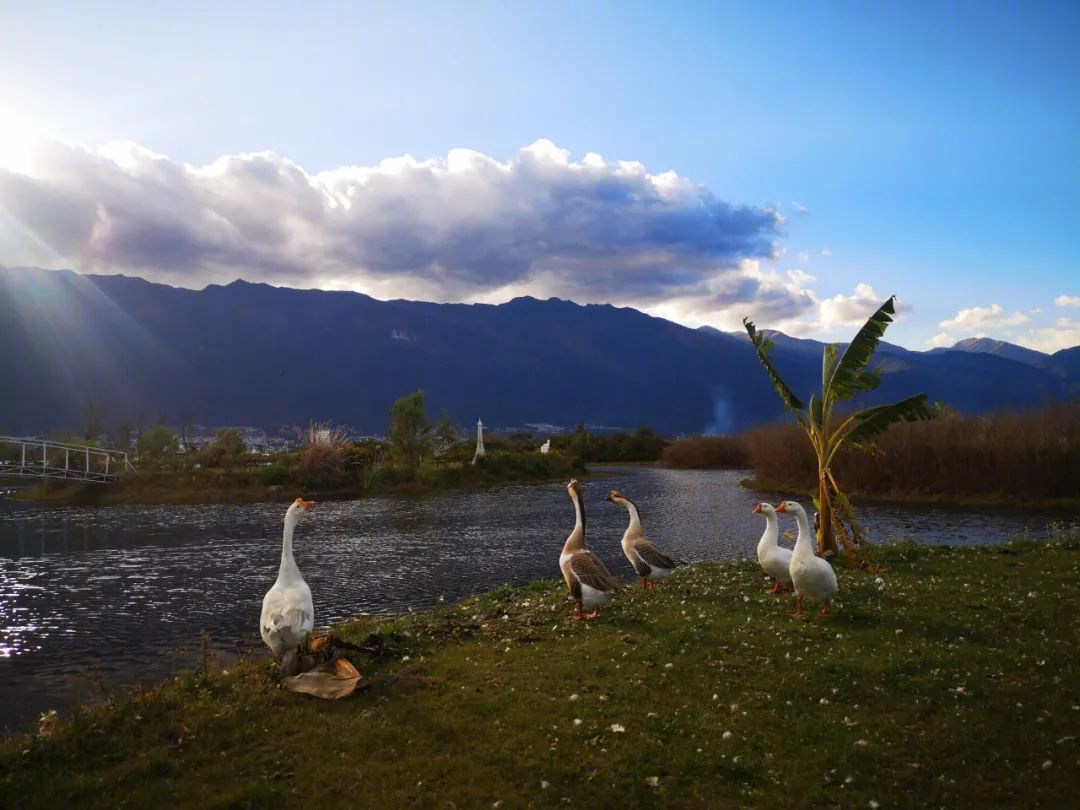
(20, 142)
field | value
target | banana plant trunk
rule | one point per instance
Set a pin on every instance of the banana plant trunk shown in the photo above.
(826, 539)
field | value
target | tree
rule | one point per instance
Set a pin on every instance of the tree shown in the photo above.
(409, 428)
(156, 443)
(446, 435)
(841, 380)
(227, 446)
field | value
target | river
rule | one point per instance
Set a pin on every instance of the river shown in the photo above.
(95, 598)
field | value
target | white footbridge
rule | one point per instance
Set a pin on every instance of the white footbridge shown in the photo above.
(29, 457)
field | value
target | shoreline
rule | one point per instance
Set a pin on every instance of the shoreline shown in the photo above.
(922, 498)
(487, 699)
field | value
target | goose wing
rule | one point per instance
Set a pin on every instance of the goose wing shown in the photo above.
(654, 556)
(591, 571)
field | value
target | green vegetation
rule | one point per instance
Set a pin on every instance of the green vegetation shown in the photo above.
(409, 429)
(948, 679)
(842, 380)
(1014, 457)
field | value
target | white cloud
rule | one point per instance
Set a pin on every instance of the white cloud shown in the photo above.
(849, 310)
(1068, 300)
(826, 252)
(461, 227)
(1064, 334)
(799, 208)
(976, 320)
(941, 339)
(801, 276)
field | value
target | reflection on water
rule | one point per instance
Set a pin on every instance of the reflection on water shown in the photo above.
(93, 598)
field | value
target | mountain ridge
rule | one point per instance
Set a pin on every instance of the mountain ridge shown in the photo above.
(251, 353)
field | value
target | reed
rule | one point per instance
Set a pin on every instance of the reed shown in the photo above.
(1029, 455)
(706, 452)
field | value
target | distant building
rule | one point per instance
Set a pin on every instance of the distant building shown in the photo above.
(545, 448)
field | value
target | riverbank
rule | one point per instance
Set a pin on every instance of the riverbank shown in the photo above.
(277, 484)
(947, 678)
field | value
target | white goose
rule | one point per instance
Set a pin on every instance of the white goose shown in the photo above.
(587, 578)
(651, 563)
(288, 614)
(812, 576)
(775, 560)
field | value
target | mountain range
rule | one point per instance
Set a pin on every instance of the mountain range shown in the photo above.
(253, 354)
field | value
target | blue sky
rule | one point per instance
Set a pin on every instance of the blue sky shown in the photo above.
(922, 149)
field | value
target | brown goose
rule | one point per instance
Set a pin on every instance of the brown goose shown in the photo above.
(651, 563)
(587, 578)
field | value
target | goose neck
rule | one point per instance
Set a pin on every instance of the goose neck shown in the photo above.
(803, 544)
(771, 533)
(288, 563)
(576, 540)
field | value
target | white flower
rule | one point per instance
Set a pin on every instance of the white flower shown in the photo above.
(404, 658)
(874, 805)
(617, 728)
(574, 697)
(824, 701)
(652, 781)
(577, 721)
(862, 743)
(726, 735)
(544, 784)
(668, 665)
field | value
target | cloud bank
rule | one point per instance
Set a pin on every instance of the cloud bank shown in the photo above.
(461, 227)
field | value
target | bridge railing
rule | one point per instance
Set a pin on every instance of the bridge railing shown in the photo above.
(41, 458)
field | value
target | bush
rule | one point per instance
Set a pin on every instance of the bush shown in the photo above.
(706, 453)
(1029, 455)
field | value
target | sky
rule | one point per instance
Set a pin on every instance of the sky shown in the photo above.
(796, 163)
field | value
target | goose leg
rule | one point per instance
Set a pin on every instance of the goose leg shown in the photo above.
(590, 616)
(799, 612)
(644, 587)
(579, 612)
(824, 610)
(776, 588)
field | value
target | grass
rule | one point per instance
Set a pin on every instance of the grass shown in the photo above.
(275, 483)
(947, 678)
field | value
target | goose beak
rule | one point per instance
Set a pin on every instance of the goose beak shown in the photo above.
(307, 504)
(781, 507)
(757, 509)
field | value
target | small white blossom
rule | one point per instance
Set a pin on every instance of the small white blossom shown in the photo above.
(618, 728)
(574, 696)
(577, 721)
(726, 735)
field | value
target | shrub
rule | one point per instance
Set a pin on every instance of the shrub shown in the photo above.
(706, 452)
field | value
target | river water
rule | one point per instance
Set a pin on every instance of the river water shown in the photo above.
(95, 598)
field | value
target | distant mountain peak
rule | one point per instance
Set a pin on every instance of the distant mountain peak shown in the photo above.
(1001, 348)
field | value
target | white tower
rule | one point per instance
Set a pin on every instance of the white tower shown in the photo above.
(479, 440)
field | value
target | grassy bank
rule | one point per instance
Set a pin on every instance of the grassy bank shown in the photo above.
(948, 678)
(278, 483)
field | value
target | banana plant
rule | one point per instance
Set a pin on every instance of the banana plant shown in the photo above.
(842, 378)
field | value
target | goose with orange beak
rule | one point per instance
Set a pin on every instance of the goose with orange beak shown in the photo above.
(288, 614)
(812, 577)
(650, 563)
(774, 559)
(587, 578)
